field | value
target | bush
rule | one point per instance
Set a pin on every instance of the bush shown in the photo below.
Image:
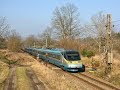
(2, 43)
(14, 42)
(115, 79)
(95, 64)
(87, 53)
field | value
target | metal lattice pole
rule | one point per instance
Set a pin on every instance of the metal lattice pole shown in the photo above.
(109, 54)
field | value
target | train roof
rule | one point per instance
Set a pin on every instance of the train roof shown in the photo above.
(52, 50)
(57, 51)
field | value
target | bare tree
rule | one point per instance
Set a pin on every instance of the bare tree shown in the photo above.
(97, 30)
(30, 41)
(66, 21)
(3, 32)
(99, 22)
(3, 26)
(14, 42)
(46, 37)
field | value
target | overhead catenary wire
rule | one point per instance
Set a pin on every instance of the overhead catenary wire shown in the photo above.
(116, 25)
(111, 22)
(115, 21)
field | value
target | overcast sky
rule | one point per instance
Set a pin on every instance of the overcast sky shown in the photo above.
(32, 16)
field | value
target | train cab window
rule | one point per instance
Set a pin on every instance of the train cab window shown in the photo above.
(72, 56)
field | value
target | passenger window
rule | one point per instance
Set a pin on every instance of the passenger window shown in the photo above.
(54, 56)
(58, 57)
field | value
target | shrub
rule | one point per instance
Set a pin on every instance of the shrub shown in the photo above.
(87, 53)
(14, 42)
(95, 64)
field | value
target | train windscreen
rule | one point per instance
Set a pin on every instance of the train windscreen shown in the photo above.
(72, 56)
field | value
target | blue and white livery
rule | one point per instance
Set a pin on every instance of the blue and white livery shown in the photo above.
(68, 60)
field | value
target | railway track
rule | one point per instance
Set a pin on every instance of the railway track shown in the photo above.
(97, 83)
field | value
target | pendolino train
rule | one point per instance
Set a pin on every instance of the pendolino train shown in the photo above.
(68, 60)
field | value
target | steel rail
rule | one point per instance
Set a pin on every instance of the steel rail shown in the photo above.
(107, 84)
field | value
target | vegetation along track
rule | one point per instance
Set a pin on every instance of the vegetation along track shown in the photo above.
(98, 83)
(93, 81)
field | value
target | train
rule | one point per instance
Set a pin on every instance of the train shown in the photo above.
(68, 60)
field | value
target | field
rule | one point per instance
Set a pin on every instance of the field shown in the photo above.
(50, 78)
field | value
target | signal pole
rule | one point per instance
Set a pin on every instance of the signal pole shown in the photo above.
(109, 54)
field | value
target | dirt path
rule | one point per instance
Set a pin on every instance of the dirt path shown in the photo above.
(36, 84)
(34, 75)
(13, 81)
(20, 75)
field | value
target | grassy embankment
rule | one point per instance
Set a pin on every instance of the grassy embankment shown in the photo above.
(4, 70)
(23, 82)
(100, 69)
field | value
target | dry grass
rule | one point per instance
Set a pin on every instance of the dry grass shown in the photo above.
(114, 76)
(91, 62)
(56, 81)
(4, 71)
(115, 79)
(86, 61)
(23, 82)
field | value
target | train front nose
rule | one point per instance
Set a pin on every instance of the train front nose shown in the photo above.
(73, 67)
